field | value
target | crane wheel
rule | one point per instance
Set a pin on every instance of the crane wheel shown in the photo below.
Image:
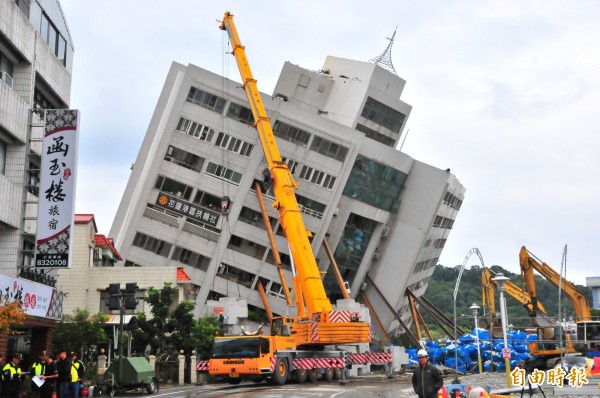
(313, 375)
(337, 373)
(301, 375)
(281, 371)
(328, 374)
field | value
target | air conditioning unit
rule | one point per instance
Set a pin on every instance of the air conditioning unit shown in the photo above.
(98, 253)
(376, 256)
(7, 79)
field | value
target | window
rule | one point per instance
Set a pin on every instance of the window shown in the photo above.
(206, 100)
(452, 201)
(235, 274)
(375, 135)
(317, 177)
(173, 187)
(33, 183)
(3, 151)
(196, 130)
(383, 115)
(328, 148)
(224, 173)
(23, 6)
(151, 244)
(234, 144)
(443, 222)
(311, 206)
(240, 113)
(291, 164)
(184, 158)
(6, 69)
(291, 133)
(207, 200)
(190, 258)
(40, 101)
(375, 184)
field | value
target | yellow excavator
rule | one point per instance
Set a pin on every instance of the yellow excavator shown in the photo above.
(298, 345)
(588, 329)
(547, 349)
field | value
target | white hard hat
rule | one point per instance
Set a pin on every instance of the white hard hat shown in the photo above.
(422, 353)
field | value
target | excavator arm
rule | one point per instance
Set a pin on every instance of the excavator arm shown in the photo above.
(511, 289)
(529, 263)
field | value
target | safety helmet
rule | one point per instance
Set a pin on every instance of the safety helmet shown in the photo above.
(422, 353)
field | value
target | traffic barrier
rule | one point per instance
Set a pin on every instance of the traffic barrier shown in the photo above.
(443, 393)
(201, 366)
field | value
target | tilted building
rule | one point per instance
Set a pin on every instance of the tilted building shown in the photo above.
(386, 215)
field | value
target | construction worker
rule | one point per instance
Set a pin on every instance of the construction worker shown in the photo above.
(77, 370)
(37, 369)
(11, 377)
(50, 376)
(427, 379)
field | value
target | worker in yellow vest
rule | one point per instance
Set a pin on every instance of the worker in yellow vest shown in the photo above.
(77, 371)
(11, 377)
(37, 369)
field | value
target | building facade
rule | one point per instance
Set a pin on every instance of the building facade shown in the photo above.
(385, 215)
(94, 258)
(36, 58)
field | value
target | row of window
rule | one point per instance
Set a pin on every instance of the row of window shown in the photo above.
(375, 135)
(162, 248)
(224, 141)
(224, 173)
(47, 30)
(443, 222)
(280, 129)
(317, 177)
(452, 201)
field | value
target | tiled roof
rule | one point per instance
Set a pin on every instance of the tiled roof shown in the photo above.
(85, 219)
(102, 240)
(182, 276)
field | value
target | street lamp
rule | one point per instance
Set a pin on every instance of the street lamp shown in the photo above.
(475, 308)
(499, 280)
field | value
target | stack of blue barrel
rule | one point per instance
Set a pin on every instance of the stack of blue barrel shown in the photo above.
(462, 354)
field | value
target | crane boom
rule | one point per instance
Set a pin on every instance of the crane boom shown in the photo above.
(283, 185)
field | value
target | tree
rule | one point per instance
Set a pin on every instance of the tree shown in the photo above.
(11, 313)
(204, 332)
(80, 331)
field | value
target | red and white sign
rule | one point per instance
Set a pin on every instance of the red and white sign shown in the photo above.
(218, 310)
(37, 299)
(506, 353)
(57, 189)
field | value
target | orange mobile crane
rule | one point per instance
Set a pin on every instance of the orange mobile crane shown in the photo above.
(297, 344)
(588, 330)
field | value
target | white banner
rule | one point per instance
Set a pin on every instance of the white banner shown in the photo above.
(36, 299)
(57, 189)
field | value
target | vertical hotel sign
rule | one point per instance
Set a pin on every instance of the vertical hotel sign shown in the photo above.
(57, 189)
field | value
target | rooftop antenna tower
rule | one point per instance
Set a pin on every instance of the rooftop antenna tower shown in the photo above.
(385, 58)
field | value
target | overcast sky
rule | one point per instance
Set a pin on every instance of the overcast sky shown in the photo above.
(505, 94)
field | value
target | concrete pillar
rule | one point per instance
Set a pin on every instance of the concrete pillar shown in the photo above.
(181, 359)
(152, 360)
